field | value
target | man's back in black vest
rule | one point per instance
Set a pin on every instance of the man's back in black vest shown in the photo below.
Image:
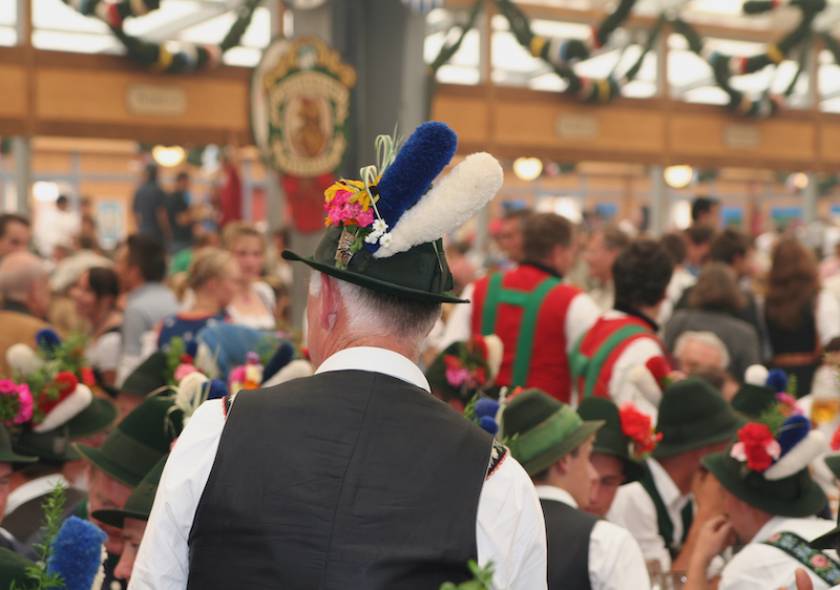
(347, 479)
(567, 534)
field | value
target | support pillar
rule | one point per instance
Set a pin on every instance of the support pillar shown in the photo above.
(22, 151)
(809, 200)
(660, 202)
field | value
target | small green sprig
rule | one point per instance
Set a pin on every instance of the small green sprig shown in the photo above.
(482, 578)
(53, 508)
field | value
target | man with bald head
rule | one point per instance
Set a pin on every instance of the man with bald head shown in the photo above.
(25, 296)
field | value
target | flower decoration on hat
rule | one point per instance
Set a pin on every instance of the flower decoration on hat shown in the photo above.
(15, 403)
(777, 446)
(484, 412)
(180, 360)
(639, 428)
(247, 376)
(57, 378)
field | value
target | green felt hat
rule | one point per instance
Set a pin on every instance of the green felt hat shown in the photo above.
(56, 445)
(139, 503)
(610, 439)
(149, 375)
(7, 453)
(539, 430)
(753, 400)
(13, 569)
(138, 443)
(419, 274)
(833, 462)
(796, 496)
(692, 415)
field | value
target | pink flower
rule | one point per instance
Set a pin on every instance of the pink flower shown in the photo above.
(8, 387)
(237, 375)
(819, 561)
(183, 370)
(26, 404)
(456, 376)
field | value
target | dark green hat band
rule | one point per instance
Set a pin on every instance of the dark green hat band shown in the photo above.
(420, 274)
(122, 457)
(562, 432)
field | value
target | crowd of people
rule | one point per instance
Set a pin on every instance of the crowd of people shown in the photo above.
(620, 411)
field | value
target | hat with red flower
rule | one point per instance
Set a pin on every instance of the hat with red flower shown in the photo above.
(628, 434)
(54, 401)
(767, 467)
(465, 368)
(693, 415)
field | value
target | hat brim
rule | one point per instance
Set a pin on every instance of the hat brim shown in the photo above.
(830, 540)
(664, 450)
(101, 461)
(10, 456)
(116, 518)
(375, 284)
(548, 458)
(633, 470)
(98, 416)
(796, 496)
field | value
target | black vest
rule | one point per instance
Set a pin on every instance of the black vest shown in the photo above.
(347, 479)
(567, 534)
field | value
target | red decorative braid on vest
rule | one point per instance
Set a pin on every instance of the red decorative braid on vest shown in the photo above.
(549, 369)
(595, 338)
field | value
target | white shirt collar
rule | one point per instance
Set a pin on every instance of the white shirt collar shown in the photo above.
(668, 490)
(376, 360)
(556, 494)
(34, 489)
(771, 526)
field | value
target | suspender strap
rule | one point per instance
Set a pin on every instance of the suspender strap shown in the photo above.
(593, 368)
(491, 305)
(826, 568)
(530, 302)
(663, 519)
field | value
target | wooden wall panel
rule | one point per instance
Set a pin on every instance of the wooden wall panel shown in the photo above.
(12, 91)
(721, 136)
(100, 97)
(467, 115)
(829, 138)
(617, 129)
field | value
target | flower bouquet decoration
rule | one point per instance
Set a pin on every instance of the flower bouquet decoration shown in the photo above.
(57, 377)
(777, 446)
(638, 427)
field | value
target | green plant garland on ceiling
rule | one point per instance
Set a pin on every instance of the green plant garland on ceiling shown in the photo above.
(170, 57)
(561, 54)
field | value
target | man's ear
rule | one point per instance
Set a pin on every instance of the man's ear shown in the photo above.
(329, 302)
(562, 464)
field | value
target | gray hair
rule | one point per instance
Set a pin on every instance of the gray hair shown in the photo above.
(383, 314)
(18, 272)
(707, 338)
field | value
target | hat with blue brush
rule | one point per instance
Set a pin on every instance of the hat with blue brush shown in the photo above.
(385, 230)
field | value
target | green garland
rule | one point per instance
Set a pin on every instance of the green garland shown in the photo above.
(169, 57)
(561, 55)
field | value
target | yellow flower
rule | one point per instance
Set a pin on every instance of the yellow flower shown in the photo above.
(344, 184)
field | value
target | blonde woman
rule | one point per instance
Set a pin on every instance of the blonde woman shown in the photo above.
(213, 279)
(254, 302)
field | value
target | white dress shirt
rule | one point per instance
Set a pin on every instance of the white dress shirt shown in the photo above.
(760, 567)
(615, 560)
(634, 510)
(510, 531)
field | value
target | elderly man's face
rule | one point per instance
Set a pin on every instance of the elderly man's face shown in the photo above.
(15, 238)
(695, 356)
